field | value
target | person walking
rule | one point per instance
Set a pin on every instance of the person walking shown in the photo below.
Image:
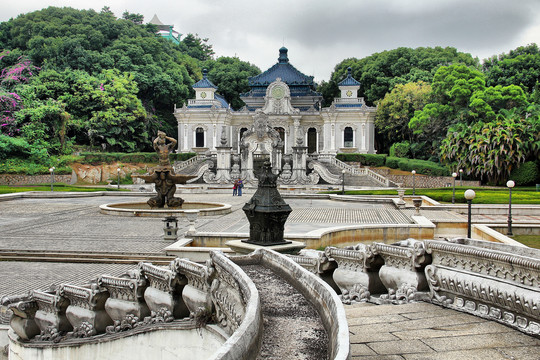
(235, 188)
(240, 186)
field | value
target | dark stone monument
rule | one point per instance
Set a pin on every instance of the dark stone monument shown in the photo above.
(163, 175)
(266, 211)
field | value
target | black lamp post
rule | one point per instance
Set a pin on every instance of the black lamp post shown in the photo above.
(413, 182)
(469, 195)
(118, 181)
(51, 170)
(343, 182)
(510, 184)
(460, 177)
(454, 175)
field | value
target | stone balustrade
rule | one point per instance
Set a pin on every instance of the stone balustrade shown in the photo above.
(83, 321)
(491, 280)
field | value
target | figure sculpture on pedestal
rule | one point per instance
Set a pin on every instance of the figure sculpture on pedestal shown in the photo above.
(163, 175)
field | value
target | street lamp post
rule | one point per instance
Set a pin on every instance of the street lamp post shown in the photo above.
(413, 182)
(460, 177)
(51, 170)
(510, 184)
(118, 181)
(469, 195)
(343, 182)
(454, 175)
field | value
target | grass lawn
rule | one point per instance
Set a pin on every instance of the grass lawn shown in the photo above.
(529, 240)
(491, 195)
(5, 189)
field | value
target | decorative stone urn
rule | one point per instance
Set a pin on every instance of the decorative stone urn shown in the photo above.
(266, 211)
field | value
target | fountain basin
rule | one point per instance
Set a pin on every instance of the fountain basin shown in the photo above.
(143, 209)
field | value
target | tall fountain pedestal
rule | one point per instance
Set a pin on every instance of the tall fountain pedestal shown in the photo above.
(267, 213)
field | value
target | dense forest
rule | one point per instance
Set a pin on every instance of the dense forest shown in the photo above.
(72, 78)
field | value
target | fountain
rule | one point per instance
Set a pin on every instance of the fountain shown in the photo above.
(164, 179)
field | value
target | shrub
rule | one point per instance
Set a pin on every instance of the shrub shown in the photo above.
(525, 174)
(392, 162)
(400, 149)
(13, 147)
(364, 159)
(422, 167)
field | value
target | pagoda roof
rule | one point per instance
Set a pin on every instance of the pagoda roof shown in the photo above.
(204, 82)
(155, 20)
(283, 70)
(349, 80)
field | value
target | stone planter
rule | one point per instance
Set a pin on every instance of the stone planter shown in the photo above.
(51, 314)
(196, 293)
(403, 271)
(164, 290)
(86, 311)
(357, 275)
(126, 296)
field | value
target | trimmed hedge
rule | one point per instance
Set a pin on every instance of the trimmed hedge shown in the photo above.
(376, 160)
(392, 162)
(421, 166)
(141, 157)
(527, 173)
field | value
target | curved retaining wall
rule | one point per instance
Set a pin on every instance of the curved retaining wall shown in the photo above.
(319, 293)
(111, 319)
(244, 343)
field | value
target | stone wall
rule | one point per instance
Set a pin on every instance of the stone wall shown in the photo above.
(424, 181)
(16, 179)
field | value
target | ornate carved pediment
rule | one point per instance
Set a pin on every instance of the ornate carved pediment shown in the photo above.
(278, 99)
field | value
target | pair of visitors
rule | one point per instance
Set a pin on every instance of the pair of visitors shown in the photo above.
(237, 187)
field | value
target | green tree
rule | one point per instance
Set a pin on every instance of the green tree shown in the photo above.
(395, 111)
(137, 19)
(230, 75)
(492, 150)
(520, 67)
(196, 47)
(380, 72)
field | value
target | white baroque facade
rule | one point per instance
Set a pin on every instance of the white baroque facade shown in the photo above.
(288, 99)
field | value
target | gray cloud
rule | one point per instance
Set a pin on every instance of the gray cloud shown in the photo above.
(320, 33)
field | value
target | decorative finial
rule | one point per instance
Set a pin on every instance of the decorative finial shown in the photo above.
(204, 73)
(349, 72)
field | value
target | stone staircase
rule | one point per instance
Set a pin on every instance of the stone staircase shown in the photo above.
(352, 179)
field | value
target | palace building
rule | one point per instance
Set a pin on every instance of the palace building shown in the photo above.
(282, 118)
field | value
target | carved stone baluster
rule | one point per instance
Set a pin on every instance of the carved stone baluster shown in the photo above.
(357, 275)
(403, 270)
(23, 320)
(126, 304)
(196, 293)
(164, 293)
(51, 315)
(86, 311)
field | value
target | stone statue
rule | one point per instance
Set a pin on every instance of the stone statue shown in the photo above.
(163, 175)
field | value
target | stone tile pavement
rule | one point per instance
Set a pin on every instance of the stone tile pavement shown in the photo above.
(415, 331)
(422, 331)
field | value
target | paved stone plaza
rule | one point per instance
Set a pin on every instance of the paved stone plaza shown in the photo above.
(415, 331)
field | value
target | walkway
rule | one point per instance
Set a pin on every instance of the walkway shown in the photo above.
(415, 331)
(429, 332)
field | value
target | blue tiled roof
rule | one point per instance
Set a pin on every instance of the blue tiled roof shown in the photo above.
(204, 82)
(349, 80)
(284, 70)
(221, 99)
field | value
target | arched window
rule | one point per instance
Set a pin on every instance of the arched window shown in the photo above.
(312, 140)
(199, 137)
(348, 137)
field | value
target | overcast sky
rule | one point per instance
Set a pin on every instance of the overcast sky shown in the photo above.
(321, 33)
